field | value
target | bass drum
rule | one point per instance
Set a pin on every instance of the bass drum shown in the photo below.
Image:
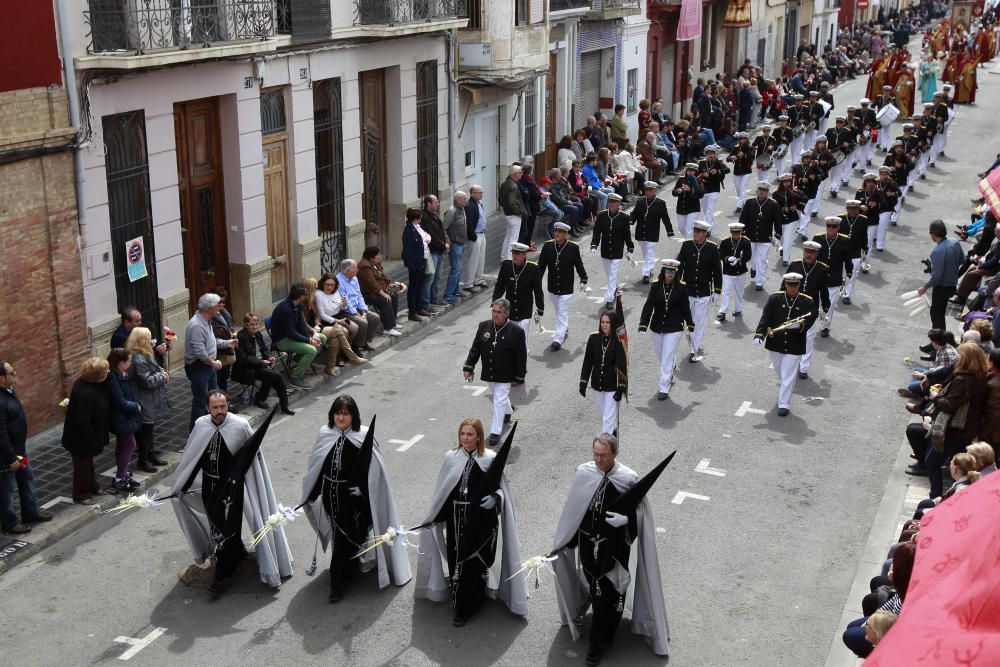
(780, 151)
(887, 114)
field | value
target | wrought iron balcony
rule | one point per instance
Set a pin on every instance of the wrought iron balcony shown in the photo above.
(393, 12)
(141, 26)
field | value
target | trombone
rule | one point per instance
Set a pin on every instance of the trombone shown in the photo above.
(788, 324)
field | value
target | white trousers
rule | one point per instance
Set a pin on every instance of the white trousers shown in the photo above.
(741, 183)
(852, 281)
(560, 304)
(758, 260)
(805, 361)
(872, 232)
(810, 139)
(501, 405)
(474, 261)
(699, 313)
(605, 401)
(732, 285)
(665, 347)
(526, 326)
(684, 223)
(884, 137)
(822, 125)
(648, 251)
(513, 229)
(806, 215)
(795, 150)
(869, 152)
(787, 236)
(834, 293)
(822, 188)
(786, 367)
(937, 146)
(708, 203)
(922, 163)
(779, 163)
(611, 269)
(883, 226)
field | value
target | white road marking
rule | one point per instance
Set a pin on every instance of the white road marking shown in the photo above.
(681, 495)
(476, 390)
(703, 467)
(745, 409)
(406, 444)
(138, 644)
(55, 501)
(596, 299)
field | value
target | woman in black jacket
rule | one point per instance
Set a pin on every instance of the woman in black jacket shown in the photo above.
(126, 417)
(605, 369)
(666, 311)
(85, 431)
(255, 362)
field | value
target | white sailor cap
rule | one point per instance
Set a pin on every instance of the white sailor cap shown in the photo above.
(798, 96)
(851, 107)
(898, 143)
(947, 86)
(886, 87)
(852, 202)
(561, 226)
(736, 226)
(870, 176)
(742, 135)
(832, 218)
(865, 100)
(783, 117)
(824, 84)
(807, 153)
(650, 185)
(714, 148)
(792, 277)
(785, 177)
(763, 185)
(840, 118)
(813, 92)
(670, 264)
(907, 126)
(811, 245)
(928, 105)
(519, 247)
(884, 169)
(614, 196)
(821, 137)
(691, 165)
(766, 128)
(701, 225)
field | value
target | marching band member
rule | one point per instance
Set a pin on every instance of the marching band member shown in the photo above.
(786, 137)
(520, 282)
(742, 158)
(884, 132)
(855, 226)
(605, 369)
(735, 252)
(807, 176)
(909, 141)
(561, 257)
(942, 115)
(824, 162)
(869, 127)
(790, 205)
(613, 235)
(647, 216)
(711, 173)
(826, 96)
(761, 219)
(667, 311)
(701, 271)
(688, 191)
(835, 252)
(788, 314)
(814, 118)
(840, 138)
(901, 166)
(763, 149)
(504, 354)
(798, 117)
(814, 273)
(890, 196)
(873, 208)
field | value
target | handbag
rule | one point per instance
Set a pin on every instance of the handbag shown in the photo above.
(938, 429)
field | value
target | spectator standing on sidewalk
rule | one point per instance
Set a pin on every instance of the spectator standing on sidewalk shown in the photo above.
(149, 382)
(132, 318)
(430, 222)
(458, 235)
(16, 470)
(415, 257)
(474, 257)
(945, 258)
(201, 351)
(509, 199)
(291, 334)
(87, 425)
(225, 330)
(126, 417)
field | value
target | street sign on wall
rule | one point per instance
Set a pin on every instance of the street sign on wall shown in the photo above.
(862, 4)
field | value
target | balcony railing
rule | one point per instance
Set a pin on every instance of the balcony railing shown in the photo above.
(378, 12)
(139, 26)
(562, 5)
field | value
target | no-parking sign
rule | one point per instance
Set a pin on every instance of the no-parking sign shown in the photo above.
(135, 259)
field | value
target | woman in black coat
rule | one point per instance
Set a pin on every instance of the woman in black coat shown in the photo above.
(85, 431)
(126, 417)
(255, 362)
(605, 369)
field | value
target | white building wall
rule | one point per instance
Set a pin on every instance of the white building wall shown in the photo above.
(634, 57)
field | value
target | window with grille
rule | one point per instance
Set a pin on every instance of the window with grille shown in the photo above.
(632, 92)
(272, 112)
(427, 127)
(127, 170)
(328, 132)
(473, 11)
(708, 37)
(529, 105)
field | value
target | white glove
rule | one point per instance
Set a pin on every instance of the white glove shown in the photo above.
(489, 502)
(795, 327)
(615, 520)
(584, 287)
(593, 251)
(628, 255)
(732, 260)
(642, 332)
(758, 341)
(355, 491)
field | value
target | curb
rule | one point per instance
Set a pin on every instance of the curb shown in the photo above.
(68, 521)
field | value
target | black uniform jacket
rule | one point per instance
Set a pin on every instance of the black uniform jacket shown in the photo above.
(503, 351)
(560, 261)
(520, 287)
(741, 250)
(612, 235)
(667, 308)
(701, 268)
(779, 309)
(837, 255)
(612, 374)
(813, 281)
(762, 219)
(647, 216)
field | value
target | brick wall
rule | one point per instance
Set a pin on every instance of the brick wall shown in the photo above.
(43, 331)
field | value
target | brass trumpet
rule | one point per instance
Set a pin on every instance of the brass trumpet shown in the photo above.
(787, 325)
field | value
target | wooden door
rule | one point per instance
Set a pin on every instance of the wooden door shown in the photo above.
(276, 210)
(203, 214)
(373, 138)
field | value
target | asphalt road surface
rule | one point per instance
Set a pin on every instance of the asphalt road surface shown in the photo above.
(756, 564)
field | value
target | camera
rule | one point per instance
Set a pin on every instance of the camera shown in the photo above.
(927, 264)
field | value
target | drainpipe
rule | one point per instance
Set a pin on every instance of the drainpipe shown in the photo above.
(452, 39)
(73, 95)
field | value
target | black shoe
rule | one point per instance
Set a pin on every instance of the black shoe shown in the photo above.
(144, 466)
(608, 305)
(593, 656)
(824, 333)
(493, 440)
(784, 263)
(916, 470)
(692, 358)
(720, 318)
(927, 357)
(19, 529)
(645, 280)
(846, 301)
(336, 594)
(459, 621)
(662, 396)
(262, 404)
(287, 411)
(926, 348)
(833, 195)
(217, 588)
(738, 313)
(753, 273)
(555, 347)
(506, 419)
(783, 412)
(41, 517)
(758, 288)
(803, 375)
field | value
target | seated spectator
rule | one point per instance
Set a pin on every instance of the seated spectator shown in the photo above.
(561, 194)
(581, 145)
(648, 159)
(986, 333)
(150, 385)
(368, 322)
(635, 173)
(331, 305)
(986, 462)
(126, 418)
(337, 341)
(378, 291)
(566, 154)
(292, 335)
(856, 635)
(254, 362)
(944, 354)
(878, 624)
(225, 330)
(980, 267)
(580, 188)
(87, 425)
(595, 183)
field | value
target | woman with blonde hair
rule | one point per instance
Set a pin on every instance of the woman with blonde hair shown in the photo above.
(149, 380)
(878, 624)
(87, 425)
(336, 334)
